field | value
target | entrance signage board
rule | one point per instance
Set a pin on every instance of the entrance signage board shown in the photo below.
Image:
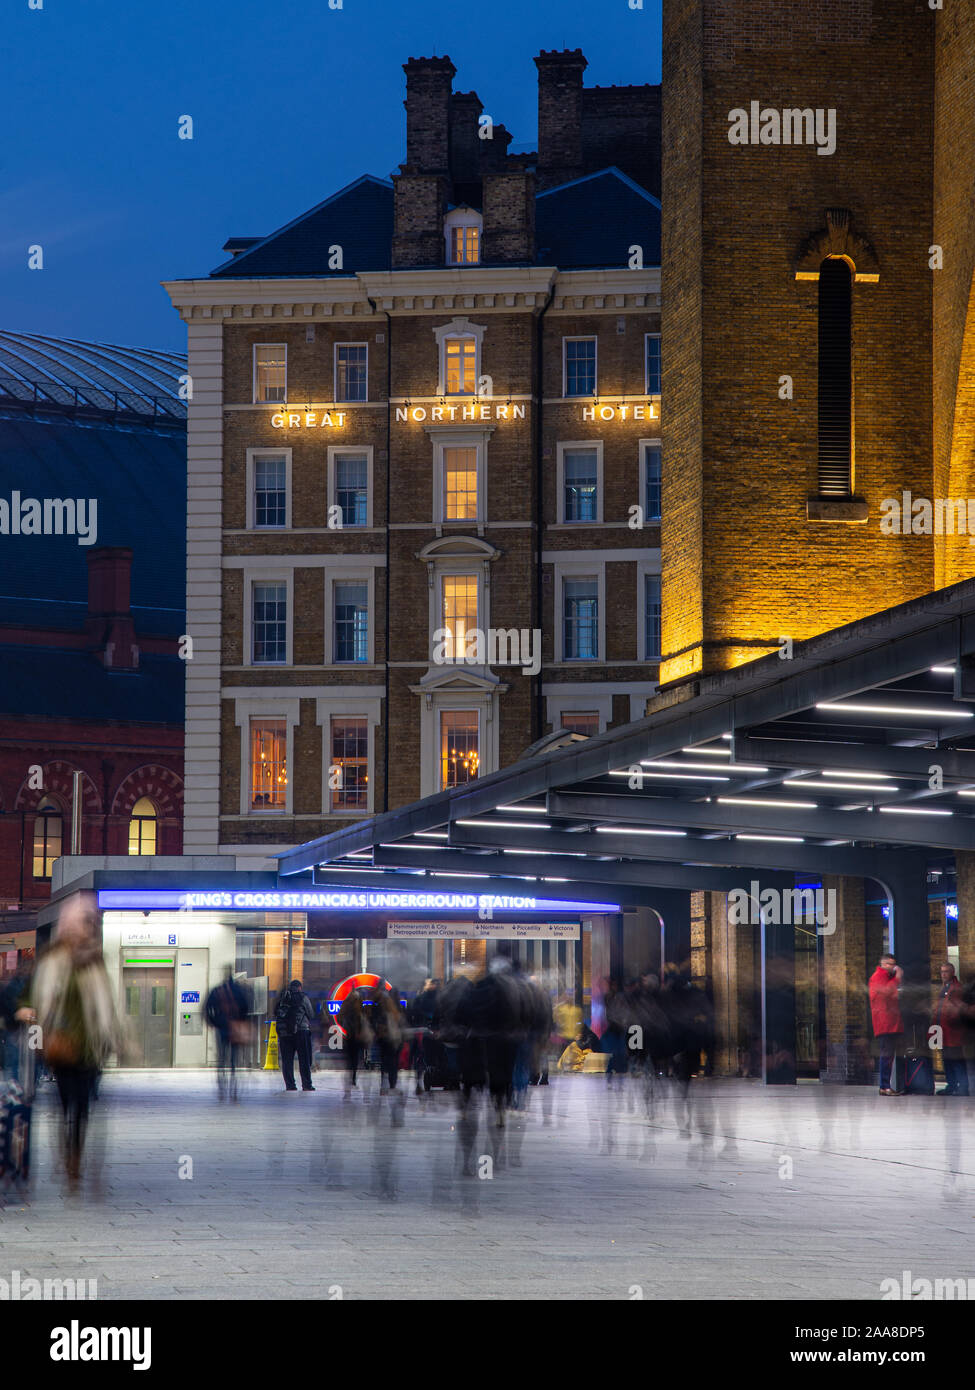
(486, 931)
(337, 900)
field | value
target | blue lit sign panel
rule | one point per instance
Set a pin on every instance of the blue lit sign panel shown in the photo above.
(336, 900)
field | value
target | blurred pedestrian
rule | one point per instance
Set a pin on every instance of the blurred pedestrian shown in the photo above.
(294, 1016)
(15, 1015)
(947, 1015)
(227, 1007)
(387, 1021)
(885, 1015)
(72, 997)
(358, 1035)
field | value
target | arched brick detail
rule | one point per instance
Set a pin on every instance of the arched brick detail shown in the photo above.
(163, 787)
(58, 784)
(837, 238)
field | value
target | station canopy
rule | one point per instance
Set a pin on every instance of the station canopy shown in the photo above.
(854, 756)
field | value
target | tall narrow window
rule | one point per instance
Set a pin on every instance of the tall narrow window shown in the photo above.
(460, 366)
(270, 372)
(142, 827)
(352, 488)
(270, 624)
(835, 378)
(351, 622)
(459, 611)
(349, 769)
(459, 756)
(579, 366)
(580, 480)
(651, 616)
(47, 838)
(460, 484)
(270, 490)
(653, 364)
(652, 478)
(580, 619)
(351, 372)
(465, 248)
(269, 765)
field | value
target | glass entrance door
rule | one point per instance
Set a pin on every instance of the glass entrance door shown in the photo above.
(147, 992)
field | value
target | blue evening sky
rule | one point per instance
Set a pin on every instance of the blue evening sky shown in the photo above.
(290, 101)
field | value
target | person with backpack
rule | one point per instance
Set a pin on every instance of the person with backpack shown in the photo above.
(885, 1015)
(294, 1015)
(226, 1009)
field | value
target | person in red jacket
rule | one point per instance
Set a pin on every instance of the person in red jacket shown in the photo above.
(885, 1015)
(948, 1016)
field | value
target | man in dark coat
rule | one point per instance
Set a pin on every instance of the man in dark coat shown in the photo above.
(294, 1016)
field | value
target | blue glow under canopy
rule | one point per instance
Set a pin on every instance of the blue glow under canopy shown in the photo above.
(334, 900)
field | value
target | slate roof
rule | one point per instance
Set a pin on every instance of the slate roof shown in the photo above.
(588, 223)
(52, 683)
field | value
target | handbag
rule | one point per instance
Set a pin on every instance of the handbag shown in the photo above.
(240, 1031)
(61, 1049)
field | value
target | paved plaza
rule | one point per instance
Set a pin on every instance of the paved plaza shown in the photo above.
(809, 1192)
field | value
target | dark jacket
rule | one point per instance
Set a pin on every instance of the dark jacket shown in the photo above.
(293, 1013)
(225, 1004)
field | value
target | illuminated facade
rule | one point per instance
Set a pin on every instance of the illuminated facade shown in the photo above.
(425, 468)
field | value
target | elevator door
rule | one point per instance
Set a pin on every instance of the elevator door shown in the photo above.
(148, 994)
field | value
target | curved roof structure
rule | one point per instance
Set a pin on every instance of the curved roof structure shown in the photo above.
(94, 380)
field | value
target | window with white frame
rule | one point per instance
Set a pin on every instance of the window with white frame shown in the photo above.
(268, 764)
(652, 480)
(578, 366)
(269, 623)
(653, 364)
(350, 602)
(459, 747)
(580, 618)
(348, 779)
(270, 490)
(459, 484)
(458, 611)
(351, 487)
(351, 371)
(270, 372)
(651, 616)
(580, 483)
(460, 366)
(462, 234)
(585, 722)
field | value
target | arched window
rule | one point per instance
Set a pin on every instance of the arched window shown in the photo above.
(835, 378)
(47, 838)
(142, 827)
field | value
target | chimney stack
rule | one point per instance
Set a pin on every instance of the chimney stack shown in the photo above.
(428, 88)
(109, 623)
(559, 116)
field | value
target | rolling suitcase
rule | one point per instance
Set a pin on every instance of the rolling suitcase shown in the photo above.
(918, 1075)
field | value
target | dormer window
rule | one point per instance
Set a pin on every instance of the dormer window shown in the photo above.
(462, 232)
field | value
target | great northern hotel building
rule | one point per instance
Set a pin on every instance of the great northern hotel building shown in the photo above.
(426, 409)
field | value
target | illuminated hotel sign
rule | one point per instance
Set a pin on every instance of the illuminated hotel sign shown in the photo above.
(648, 411)
(334, 900)
(308, 419)
(473, 411)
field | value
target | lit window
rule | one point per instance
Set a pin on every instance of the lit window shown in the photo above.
(653, 364)
(270, 624)
(585, 722)
(460, 366)
(580, 478)
(459, 759)
(460, 484)
(269, 764)
(652, 480)
(351, 372)
(459, 611)
(465, 245)
(270, 491)
(351, 603)
(580, 619)
(350, 756)
(142, 827)
(352, 488)
(47, 838)
(270, 372)
(652, 616)
(580, 366)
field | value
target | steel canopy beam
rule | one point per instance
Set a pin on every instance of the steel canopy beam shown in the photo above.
(955, 763)
(945, 832)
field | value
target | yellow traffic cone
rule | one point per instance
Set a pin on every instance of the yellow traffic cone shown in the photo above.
(271, 1062)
